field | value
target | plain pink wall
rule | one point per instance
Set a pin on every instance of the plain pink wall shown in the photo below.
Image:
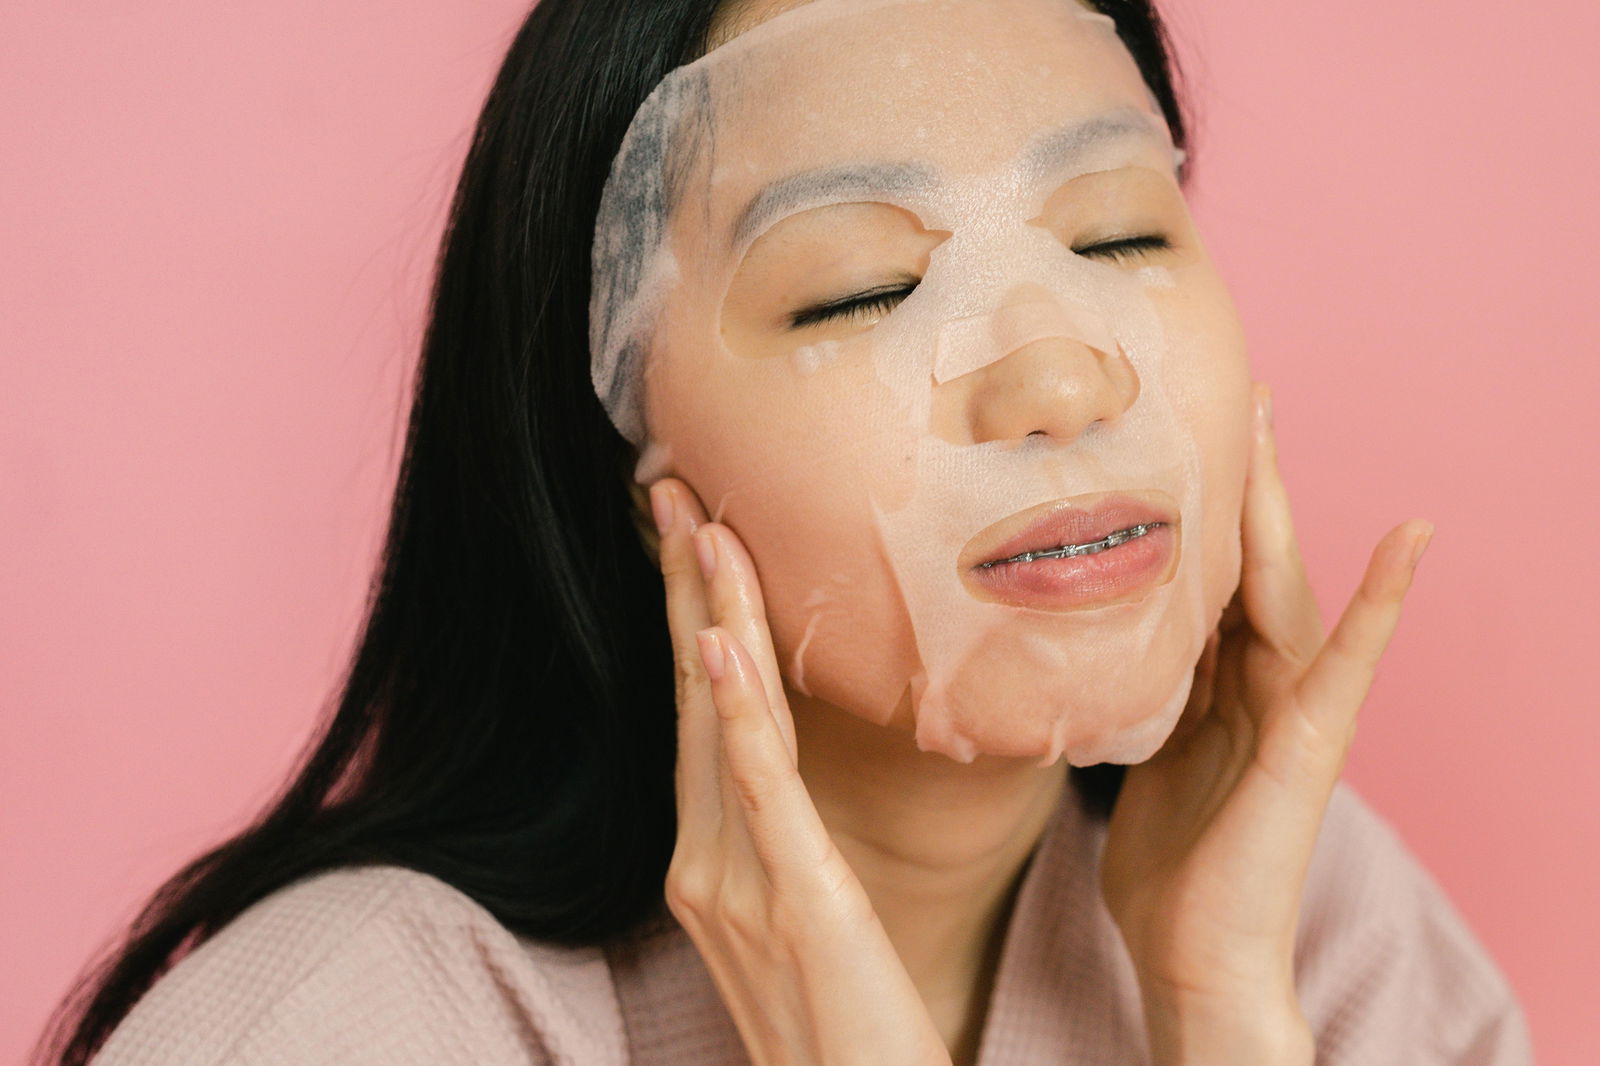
(215, 228)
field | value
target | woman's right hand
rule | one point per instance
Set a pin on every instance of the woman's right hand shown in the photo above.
(785, 928)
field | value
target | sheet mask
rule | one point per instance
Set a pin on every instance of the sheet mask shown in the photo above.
(782, 102)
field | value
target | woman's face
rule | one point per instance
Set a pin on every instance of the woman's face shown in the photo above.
(999, 304)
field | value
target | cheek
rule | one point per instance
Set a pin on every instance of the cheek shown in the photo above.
(1211, 373)
(1225, 445)
(793, 465)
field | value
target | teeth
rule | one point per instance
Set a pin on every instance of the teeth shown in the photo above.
(1111, 540)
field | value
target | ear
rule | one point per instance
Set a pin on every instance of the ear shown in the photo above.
(644, 520)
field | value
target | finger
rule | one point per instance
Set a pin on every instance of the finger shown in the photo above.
(1331, 691)
(1277, 594)
(695, 775)
(783, 824)
(736, 604)
(1233, 614)
(1201, 691)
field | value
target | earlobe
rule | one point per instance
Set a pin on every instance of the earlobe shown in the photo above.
(643, 520)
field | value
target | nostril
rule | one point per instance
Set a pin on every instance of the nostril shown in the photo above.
(1098, 427)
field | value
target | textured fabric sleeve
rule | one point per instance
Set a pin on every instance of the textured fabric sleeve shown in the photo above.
(373, 965)
(1386, 969)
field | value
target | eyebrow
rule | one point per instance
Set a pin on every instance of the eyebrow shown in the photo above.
(864, 179)
(1065, 143)
(1043, 154)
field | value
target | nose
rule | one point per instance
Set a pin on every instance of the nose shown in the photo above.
(1058, 384)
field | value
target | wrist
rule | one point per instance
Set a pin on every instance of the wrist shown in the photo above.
(1193, 1029)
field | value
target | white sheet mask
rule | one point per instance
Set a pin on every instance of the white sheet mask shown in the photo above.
(777, 109)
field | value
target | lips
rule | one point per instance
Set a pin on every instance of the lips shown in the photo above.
(1074, 520)
(1117, 570)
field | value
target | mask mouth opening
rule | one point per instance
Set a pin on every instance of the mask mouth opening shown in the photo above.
(1087, 551)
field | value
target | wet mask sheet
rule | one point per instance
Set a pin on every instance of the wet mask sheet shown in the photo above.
(870, 462)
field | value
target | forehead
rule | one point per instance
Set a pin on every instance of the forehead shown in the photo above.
(915, 74)
(1051, 151)
(903, 94)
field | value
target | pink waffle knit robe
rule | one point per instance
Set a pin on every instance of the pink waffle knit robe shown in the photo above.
(384, 965)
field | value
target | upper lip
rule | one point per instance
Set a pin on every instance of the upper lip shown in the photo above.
(1073, 520)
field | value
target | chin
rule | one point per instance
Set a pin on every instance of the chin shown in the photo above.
(1021, 714)
(1109, 693)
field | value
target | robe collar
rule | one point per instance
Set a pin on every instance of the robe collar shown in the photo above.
(1065, 991)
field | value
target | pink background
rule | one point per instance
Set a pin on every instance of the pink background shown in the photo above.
(216, 224)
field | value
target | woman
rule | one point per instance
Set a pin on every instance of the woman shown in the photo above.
(870, 849)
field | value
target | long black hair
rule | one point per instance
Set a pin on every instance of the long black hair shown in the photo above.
(507, 723)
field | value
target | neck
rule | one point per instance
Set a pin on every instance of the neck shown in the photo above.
(938, 845)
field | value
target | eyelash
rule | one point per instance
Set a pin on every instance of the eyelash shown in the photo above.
(856, 305)
(1121, 249)
(1128, 247)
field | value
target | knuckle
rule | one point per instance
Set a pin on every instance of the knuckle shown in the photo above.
(689, 892)
(754, 786)
(1295, 652)
(679, 565)
(687, 672)
(776, 850)
(1290, 761)
(1362, 657)
(689, 874)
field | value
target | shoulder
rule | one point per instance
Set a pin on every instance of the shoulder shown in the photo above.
(1386, 968)
(372, 964)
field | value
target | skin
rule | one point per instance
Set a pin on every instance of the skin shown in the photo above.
(801, 464)
(816, 851)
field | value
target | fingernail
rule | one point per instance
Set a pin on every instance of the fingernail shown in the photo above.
(706, 552)
(1264, 406)
(661, 505)
(711, 653)
(1421, 546)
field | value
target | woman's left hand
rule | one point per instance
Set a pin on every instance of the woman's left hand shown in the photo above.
(1210, 839)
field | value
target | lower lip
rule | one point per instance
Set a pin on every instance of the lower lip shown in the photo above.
(1119, 574)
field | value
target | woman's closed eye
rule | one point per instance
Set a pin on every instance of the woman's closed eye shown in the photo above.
(863, 303)
(884, 298)
(1127, 247)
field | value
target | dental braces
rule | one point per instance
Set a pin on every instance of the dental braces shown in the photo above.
(1111, 540)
